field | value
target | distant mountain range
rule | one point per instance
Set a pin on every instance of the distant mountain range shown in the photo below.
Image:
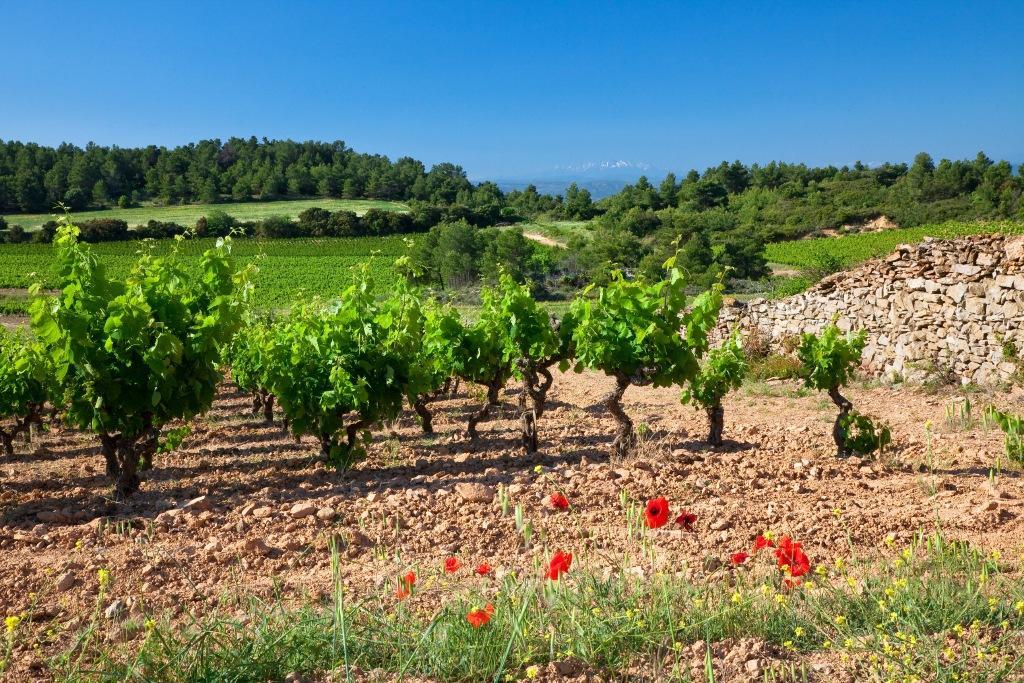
(601, 178)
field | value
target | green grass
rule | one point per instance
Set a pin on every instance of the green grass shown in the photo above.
(290, 270)
(188, 214)
(935, 611)
(853, 249)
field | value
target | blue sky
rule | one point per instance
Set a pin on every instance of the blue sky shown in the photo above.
(506, 89)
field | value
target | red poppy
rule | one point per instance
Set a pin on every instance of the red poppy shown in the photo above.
(558, 501)
(483, 569)
(791, 557)
(451, 565)
(559, 564)
(739, 558)
(405, 585)
(478, 617)
(686, 519)
(656, 513)
(762, 542)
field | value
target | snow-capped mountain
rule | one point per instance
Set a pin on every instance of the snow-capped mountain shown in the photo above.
(602, 178)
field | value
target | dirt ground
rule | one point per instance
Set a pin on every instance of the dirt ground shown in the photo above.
(267, 506)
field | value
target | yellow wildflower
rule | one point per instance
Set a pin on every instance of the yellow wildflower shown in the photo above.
(533, 670)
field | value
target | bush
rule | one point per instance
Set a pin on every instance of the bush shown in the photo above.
(216, 224)
(829, 361)
(159, 230)
(344, 224)
(775, 366)
(104, 230)
(278, 226)
(314, 221)
(863, 436)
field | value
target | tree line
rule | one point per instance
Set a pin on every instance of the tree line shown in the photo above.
(35, 178)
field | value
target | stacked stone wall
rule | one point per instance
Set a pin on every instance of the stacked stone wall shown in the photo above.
(955, 306)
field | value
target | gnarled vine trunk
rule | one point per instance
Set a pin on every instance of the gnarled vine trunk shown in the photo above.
(268, 407)
(838, 430)
(625, 436)
(125, 454)
(493, 389)
(716, 424)
(22, 425)
(426, 417)
(537, 380)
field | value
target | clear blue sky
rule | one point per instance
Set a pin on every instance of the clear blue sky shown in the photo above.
(510, 88)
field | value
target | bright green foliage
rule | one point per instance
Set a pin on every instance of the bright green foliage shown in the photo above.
(338, 369)
(246, 354)
(511, 334)
(642, 334)
(523, 326)
(1013, 430)
(829, 359)
(437, 358)
(250, 364)
(130, 355)
(863, 436)
(827, 362)
(25, 379)
(722, 372)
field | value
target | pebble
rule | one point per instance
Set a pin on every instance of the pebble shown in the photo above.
(301, 510)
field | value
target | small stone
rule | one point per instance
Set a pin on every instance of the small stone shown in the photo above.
(115, 610)
(475, 493)
(720, 524)
(301, 510)
(200, 504)
(326, 514)
(66, 581)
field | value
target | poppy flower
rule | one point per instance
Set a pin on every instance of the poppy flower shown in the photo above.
(451, 565)
(405, 585)
(791, 557)
(656, 513)
(762, 542)
(559, 501)
(559, 564)
(483, 569)
(686, 519)
(739, 558)
(478, 617)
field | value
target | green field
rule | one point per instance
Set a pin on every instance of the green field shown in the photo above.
(290, 270)
(188, 214)
(853, 249)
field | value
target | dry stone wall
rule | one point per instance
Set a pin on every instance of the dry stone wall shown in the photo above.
(948, 305)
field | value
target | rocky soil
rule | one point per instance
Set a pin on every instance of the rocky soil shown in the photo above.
(241, 508)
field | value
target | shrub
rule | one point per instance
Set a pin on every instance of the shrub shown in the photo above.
(215, 224)
(159, 230)
(104, 230)
(131, 355)
(863, 436)
(828, 361)
(1013, 431)
(278, 226)
(630, 330)
(314, 221)
(722, 372)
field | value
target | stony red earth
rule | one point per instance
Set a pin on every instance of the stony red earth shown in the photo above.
(241, 507)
